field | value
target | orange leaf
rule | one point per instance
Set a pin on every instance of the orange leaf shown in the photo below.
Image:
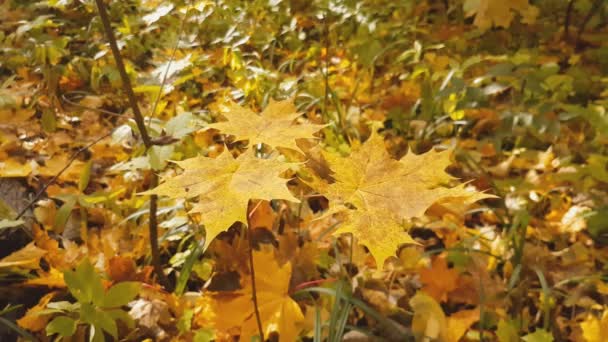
(32, 320)
(231, 312)
(439, 279)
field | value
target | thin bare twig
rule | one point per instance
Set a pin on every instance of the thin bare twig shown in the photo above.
(64, 98)
(67, 165)
(148, 143)
(594, 8)
(567, 20)
(126, 81)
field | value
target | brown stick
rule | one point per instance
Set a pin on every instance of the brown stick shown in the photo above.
(594, 8)
(254, 296)
(567, 20)
(139, 120)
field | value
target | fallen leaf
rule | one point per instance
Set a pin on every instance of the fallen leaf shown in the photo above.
(53, 279)
(234, 311)
(439, 280)
(32, 320)
(12, 168)
(27, 257)
(594, 329)
(460, 322)
(540, 335)
(263, 216)
(429, 321)
(507, 331)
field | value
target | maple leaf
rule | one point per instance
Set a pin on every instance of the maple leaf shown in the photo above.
(376, 193)
(274, 127)
(278, 312)
(594, 329)
(225, 185)
(499, 13)
(459, 322)
(439, 280)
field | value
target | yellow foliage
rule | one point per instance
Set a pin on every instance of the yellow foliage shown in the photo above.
(27, 257)
(234, 311)
(385, 192)
(225, 186)
(274, 126)
(499, 13)
(594, 329)
(429, 322)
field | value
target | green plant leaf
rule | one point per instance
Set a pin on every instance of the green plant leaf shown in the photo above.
(123, 316)
(120, 294)
(62, 325)
(204, 335)
(85, 176)
(10, 223)
(64, 212)
(540, 335)
(185, 322)
(84, 283)
(99, 319)
(507, 331)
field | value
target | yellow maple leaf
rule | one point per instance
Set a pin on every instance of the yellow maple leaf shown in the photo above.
(499, 13)
(225, 185)
(377, 194)
(234, 311)
(594, 329)
(459, 322)
(274, 127)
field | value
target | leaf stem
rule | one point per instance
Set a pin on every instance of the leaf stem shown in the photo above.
(254, 296)
(139, 120)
